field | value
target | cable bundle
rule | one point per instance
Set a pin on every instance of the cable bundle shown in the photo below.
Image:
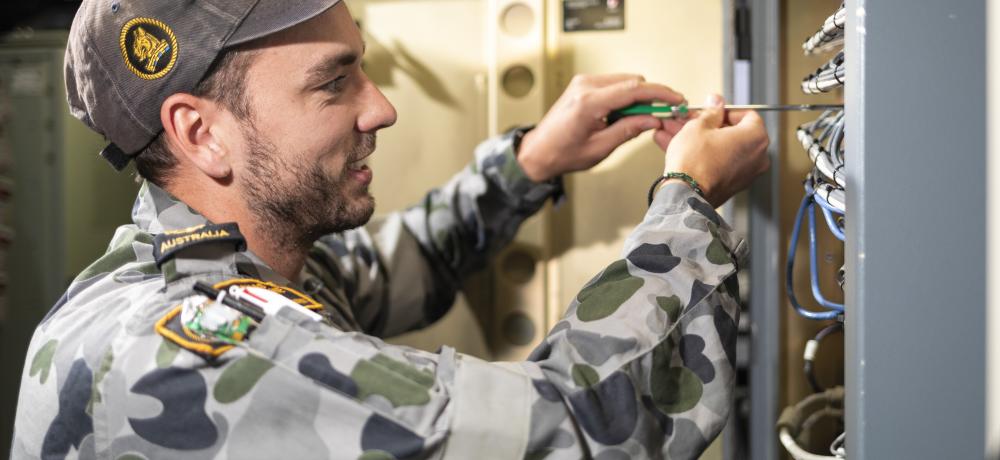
(825, 189)
(823, 140)
(830, 34)
(826, 78)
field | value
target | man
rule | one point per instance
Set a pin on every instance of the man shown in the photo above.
(238, 316)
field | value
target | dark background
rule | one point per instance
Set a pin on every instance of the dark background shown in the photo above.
(38, 14)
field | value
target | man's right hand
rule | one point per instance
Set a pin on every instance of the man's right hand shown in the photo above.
(574, 135)
(723, 152)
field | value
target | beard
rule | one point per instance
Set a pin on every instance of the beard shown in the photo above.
(297, 204)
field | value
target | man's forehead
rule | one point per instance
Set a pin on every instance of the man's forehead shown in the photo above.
(326, 41)
(327, 64)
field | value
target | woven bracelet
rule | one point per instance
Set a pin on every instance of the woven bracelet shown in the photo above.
(675, 175)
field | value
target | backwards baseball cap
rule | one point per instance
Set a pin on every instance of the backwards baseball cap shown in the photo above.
(125, 57)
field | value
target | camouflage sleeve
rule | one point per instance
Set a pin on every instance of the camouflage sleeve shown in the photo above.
(402, 271)
(640, 367)
(642, 364)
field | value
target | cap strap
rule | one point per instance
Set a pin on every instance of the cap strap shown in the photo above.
(118, 159)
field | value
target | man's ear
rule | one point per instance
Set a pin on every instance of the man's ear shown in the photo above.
(189, 125)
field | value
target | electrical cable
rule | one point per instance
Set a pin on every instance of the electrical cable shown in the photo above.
(835, 197)
(839, 447)
(790, 269)
(827, 209)
(831, 223)
(813, 266)
(793, 417)
(829, 76)
(825, 81)
(809, 354)
(831, 31)
(820, 155)
(837, 140)
(814, 418)
(797, 452)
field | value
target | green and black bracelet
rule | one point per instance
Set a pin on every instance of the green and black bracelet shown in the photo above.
(675, 175)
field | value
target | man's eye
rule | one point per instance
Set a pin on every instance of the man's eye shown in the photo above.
(336, 85)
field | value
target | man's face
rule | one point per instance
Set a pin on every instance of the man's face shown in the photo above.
(314, 118)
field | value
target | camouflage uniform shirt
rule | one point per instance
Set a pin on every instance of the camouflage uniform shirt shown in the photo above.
(641, 366)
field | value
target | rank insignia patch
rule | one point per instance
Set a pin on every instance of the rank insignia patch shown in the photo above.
(287, 292)
(149, 47)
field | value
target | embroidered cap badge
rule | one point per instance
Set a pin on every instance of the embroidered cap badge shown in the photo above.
(149, 47)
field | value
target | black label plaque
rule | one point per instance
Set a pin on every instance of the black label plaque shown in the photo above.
(580, 15)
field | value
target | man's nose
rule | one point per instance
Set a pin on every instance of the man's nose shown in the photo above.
(378, 112)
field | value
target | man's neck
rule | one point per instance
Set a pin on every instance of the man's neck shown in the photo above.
(283, 253)
(285, 258)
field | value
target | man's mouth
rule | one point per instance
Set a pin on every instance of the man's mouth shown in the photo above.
(359, 164)
(359, 170)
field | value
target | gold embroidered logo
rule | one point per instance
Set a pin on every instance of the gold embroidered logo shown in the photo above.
(171, 243)
(149, 47)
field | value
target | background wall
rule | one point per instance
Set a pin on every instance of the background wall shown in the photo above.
(64, 201)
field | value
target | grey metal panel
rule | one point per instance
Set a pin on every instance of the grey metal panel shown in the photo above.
(916, 229)
(764, 240)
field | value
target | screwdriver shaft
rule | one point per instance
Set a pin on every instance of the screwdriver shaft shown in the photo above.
(757, 107)
(780, 108)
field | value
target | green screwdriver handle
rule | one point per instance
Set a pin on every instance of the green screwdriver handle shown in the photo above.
(675, 111)
(683, 110)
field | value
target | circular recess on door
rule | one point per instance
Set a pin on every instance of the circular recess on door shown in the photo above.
(517, 20)
(518, 81)
(518, 266)
(518, 328)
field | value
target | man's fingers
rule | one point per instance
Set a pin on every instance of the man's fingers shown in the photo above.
(608, 79)
(713, 114)
(736, 116)
(746, 120)
(622, 131)
(628, 92)
(673, 125)
(663, 138)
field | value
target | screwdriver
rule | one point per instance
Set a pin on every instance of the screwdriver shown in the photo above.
(682, 111)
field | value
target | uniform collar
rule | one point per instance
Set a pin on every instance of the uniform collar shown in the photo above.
(156, 211)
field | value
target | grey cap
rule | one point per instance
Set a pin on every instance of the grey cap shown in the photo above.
(125, 57)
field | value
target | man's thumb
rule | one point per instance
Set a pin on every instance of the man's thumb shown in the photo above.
(713, 114)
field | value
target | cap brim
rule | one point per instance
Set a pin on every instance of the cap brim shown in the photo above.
(270, 16)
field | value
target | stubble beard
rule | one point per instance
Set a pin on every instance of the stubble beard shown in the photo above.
(295, 209)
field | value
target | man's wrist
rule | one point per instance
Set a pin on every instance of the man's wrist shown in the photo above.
(674, 176)
(523, 151)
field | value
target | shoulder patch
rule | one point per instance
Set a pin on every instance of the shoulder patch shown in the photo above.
(167, 244)
(204, 327)
(149, 47)
(210, 326)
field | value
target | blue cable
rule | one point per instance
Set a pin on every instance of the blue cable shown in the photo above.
(813, 269)
(832, 222)
(790, 268)
(828, 211)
